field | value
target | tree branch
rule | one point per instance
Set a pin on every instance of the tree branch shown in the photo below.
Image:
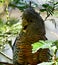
(5, 56)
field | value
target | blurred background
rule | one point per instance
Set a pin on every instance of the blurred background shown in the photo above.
(10, 22)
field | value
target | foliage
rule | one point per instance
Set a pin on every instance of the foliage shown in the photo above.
(42, 44)
(8, 30)
(12, 27)
(56, 43)
(49, 8)
(21, 4)
(52, 45)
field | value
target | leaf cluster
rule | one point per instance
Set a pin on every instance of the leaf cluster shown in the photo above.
(52, 45)
(8, 30)
(21, 4)
(49, 8)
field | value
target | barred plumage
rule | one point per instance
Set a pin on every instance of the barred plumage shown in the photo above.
(33, 30)
(42, 55)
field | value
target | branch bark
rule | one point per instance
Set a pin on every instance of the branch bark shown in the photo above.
(6, 56)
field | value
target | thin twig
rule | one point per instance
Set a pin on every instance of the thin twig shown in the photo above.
(5, 55)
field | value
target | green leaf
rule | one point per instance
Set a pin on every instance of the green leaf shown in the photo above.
(21, 4)
(37, 45)
(56, 43)
(56, 3)
(45, 5)
(42, 10)
(1, 1)
(12, 21)
(1, 23)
